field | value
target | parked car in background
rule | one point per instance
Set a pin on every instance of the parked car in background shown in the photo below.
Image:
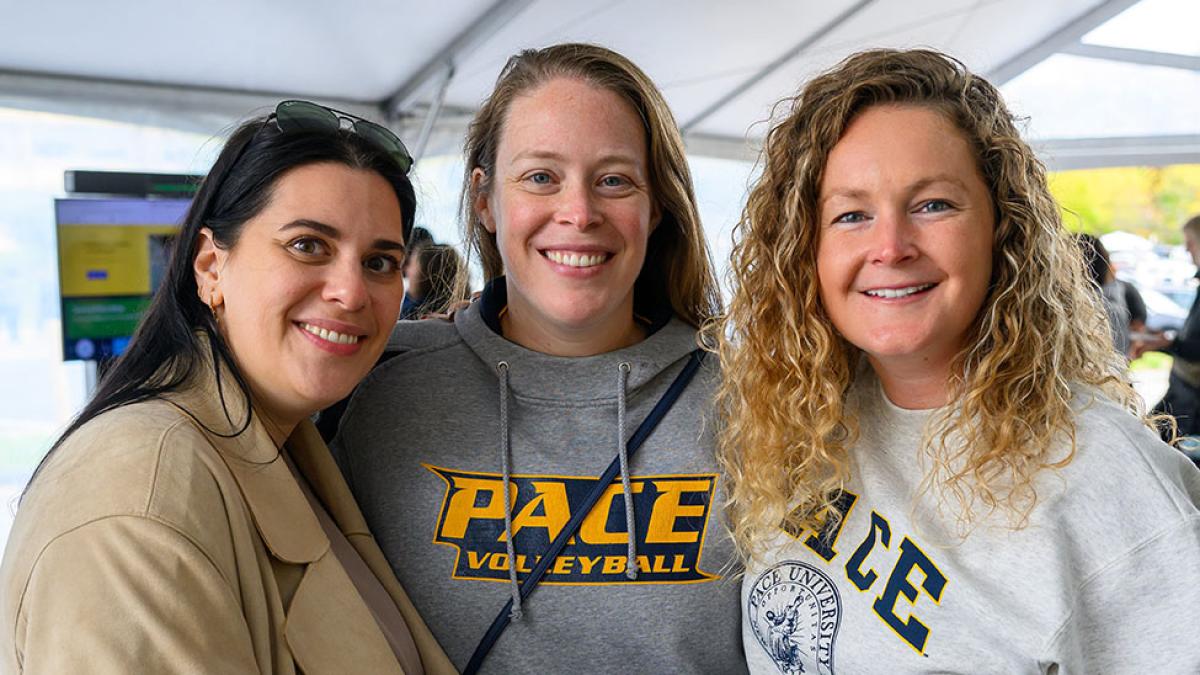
(1183, 296)
(1166, 312)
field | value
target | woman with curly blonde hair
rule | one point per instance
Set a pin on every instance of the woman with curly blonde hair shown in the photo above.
(927, 426)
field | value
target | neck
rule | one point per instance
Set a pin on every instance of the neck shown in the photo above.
(277, 420)
(522, 328)
(278, 426)
(913, 385)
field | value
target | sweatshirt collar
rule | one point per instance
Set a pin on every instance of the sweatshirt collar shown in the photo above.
(494, 299)
(535, 375)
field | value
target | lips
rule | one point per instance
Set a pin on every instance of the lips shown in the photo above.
(898, 291)
(331, 335)
(582, 259)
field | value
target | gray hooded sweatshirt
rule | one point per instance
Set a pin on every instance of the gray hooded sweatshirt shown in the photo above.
(426, 443)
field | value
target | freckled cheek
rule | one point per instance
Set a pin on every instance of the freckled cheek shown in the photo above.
(520, 217)
(633, 219)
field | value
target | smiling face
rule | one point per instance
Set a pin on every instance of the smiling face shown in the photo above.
(571, 207)
(905, 253)
(309, 293)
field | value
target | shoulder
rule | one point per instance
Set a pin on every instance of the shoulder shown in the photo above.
(410, 336)
(146, 461)
(124, 452)
(420, 355)
(1112, 442)
(1122, 488)
(414, 348)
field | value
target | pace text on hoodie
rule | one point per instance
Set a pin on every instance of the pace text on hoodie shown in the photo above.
(423, 445)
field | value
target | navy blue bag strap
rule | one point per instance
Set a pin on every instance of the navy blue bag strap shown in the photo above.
(560, 542)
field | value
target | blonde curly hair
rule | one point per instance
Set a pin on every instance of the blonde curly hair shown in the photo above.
(1041, 331)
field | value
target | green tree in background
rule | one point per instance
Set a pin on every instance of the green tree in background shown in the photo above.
(1151, 202)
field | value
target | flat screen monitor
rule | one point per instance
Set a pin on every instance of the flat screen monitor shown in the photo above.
(112, 253)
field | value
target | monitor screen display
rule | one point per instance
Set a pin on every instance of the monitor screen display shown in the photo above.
(112, 254)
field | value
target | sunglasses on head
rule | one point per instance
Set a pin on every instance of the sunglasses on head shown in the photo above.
(306, 116)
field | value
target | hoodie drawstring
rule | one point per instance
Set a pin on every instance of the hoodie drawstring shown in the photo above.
(506, 463)
(622, 382)
(631, 569)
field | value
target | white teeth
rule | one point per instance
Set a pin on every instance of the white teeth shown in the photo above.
(576, 259)
(897, 292)
(329, 335)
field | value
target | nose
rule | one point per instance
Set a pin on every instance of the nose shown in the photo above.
(577, 206)
(893, 239)
(346, 284)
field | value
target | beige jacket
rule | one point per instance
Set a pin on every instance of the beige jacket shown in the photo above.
(149, 544)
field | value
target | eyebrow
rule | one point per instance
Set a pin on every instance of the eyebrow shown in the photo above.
(853, 193)
(610, 158)
(336, 234)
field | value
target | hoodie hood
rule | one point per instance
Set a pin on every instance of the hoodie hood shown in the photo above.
(538, 376)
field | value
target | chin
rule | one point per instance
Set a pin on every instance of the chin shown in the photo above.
(576, 314)
(325, 394)
(895, 347)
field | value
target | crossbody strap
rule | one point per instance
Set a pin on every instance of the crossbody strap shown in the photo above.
(560, 542)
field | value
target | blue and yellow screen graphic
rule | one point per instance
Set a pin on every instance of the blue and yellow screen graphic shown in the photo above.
(112, 253)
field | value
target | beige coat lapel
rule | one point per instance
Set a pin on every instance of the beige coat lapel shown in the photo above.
(312, 457)
(328, 628)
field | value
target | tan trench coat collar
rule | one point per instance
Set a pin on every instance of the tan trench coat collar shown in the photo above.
(328, 628)
(282, 514)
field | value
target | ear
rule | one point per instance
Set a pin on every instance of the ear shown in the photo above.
(479, 200)
(207, 265)
(655, 215)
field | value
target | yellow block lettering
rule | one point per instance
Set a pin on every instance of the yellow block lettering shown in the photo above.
(614, 564)
(462, 508)
(594, 528)
(563, 564)
(552, 499)
(667, 510)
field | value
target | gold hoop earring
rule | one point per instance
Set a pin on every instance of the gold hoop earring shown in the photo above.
(212, 307)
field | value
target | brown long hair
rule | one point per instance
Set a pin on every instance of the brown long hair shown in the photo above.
(442, 278)
(677, 270)
(1040, 333)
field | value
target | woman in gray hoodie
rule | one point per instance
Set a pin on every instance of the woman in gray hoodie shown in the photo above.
(471, 450)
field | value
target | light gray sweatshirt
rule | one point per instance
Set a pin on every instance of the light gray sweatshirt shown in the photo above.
(422, 447)
(1104, 579)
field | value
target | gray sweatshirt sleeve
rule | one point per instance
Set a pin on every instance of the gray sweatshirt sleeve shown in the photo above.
(1138, 614)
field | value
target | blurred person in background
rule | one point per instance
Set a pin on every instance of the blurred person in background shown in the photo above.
(436, 279)
(420, 237)
(1112, 292)
(1182, 399)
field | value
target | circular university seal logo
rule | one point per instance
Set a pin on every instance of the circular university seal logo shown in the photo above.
(795, 611)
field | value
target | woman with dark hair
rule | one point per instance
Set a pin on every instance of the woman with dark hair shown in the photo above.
(937, 461)
(190, 519)
(578, 202)
(436, 279)
(1112, 293)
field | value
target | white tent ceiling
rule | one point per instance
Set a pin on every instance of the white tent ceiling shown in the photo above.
(720, 64)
